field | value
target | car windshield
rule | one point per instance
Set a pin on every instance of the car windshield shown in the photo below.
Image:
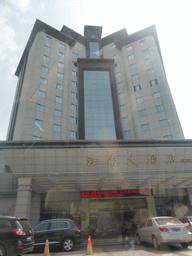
(167, 221)
(190, 219)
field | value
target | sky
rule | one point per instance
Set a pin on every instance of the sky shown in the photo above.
(173, 22)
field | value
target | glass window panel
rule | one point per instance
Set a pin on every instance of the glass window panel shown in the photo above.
(145, 127)
(57, 112)
(160, 108)
(98, 105)
(168, 137)
(164, 123)
(156, 95)
(94, 50)
(119, 84)
(74, 107)
(56, 128)
(43, 81)
(62, 55)
(61, 65)
(62, 46)
(40, 108)
(49, 39)
(46, 58)
(153, 82)
(129, 48)
(130, 57)
(38, 123)
(134, 77)
(140, 100)
(36, 137)
(133, 66)
(142, 113)
(150, 71)
(59, 87)
(47, 48)
(42, 94)
(137, 88)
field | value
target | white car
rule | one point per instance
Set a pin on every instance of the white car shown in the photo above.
(163, 230)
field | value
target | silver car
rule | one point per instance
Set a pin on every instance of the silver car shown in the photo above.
(187, 220)
(163, 230)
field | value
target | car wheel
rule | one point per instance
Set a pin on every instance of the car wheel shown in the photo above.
(155, 243)
(68, 244)
(2, 251)
(138, 241)
(184, 245)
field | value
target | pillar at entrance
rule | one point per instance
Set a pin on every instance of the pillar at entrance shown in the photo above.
(84, 214)
(151, 205)
(23, 202)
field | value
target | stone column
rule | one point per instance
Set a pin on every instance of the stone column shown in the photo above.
(84, 214)
(151, 205)
(23, 202)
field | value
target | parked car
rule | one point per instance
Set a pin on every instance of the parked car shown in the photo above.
(163, 230)
(187, 220)
(63, 232)
(16, 236)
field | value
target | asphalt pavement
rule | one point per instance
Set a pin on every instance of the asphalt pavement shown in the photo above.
(121, 248)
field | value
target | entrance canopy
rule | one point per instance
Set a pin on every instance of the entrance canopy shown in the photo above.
(101, 165)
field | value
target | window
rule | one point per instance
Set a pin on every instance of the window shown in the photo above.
(153, 82)
(47, 48)
(149, 223)
(58, 99)
(118, 74)
(57, 112)
(168, 137)
(142, 113)
(49, 39)
(119, 84)
(74, 64)
(137, 88)
(160, 108)
(113, 46)
(94, 50)
(62, 55)
(42, 94)
(38, 123)
(62, 46)
(145, 127)
(74, 107)
(139, 100)
(127, 134)
(129, 48)
(150, 71)
(133, 66)
(75, 55)
(36, 137)
(73, 120)
(43, 81)
(56, 128)
(125, 120)
(145, 51)
(74, 95)
(143, 42)
(148, 61)
(123, 107)
(73, 134)
(73, 83)
(134, 77)
(40, 108)
(61, 65)
(121, 95)
(156, 95)
(115, 56)
(59, 87)
(117, 64)
(74, 73)
(44, 69)
(60, 75)
(76, 45)
(46, 58)
(130, 57)
(164, 123)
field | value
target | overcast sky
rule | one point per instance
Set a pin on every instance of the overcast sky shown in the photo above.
(173, 22)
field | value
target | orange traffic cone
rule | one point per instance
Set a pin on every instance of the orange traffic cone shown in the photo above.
(89, 246)
(46, 251)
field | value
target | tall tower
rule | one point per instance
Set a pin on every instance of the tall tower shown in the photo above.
(87, 87)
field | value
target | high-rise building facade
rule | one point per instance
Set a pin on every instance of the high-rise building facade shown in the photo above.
(74, 87)
(94, 131)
